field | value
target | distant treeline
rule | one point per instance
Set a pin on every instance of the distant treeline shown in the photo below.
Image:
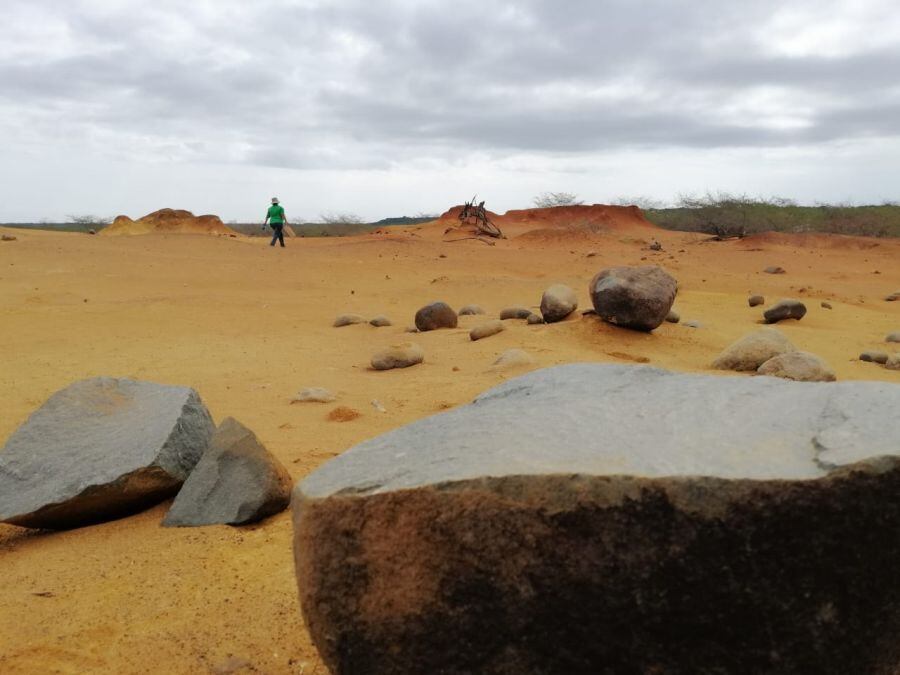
(727, 215)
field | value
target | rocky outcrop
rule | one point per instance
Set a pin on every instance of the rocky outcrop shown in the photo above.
(633, 297)
(753, 350)
(558, 302)
(101, 449)
(237, 481)
(436, 315)
(762, 537)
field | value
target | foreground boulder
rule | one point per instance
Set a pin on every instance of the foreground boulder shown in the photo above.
(436, 315)
(799, 366)
(633, 297)
(101, 449)
(762, 538)
(236, 481)
(785, 309)
(753, 350)
(557, 303)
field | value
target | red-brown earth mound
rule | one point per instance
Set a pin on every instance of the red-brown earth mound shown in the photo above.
(177, 221)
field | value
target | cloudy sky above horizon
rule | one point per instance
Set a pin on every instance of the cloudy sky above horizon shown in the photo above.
(400, 107)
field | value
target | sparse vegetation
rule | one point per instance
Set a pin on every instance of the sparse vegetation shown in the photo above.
(85, 222)
(344, 218)
(549, 199)
(728, 215)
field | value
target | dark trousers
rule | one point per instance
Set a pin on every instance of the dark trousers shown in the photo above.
(278, 229)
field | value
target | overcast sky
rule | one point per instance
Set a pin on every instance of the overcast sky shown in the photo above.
(397, 107)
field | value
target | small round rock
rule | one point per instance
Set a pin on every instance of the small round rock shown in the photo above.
(400, 355)
(486, 329)
(756, 300)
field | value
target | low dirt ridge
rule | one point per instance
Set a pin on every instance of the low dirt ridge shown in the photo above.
(170, 221)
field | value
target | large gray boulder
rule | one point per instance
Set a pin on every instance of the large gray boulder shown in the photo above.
(557, 303)
(633, 297)
(100, 449)
(237, 481)
(663, 524)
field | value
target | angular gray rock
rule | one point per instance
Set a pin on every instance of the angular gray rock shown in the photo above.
(486, 329)
(762, 536)
(471, 310)
(633, 297)
(101, 449)
(436, 315)
(785, 309)
(557, 303)
(237, 481)
(514, 313)
(400, 355)
(753, 350)
(756, 300)
(799, 366)
(874, 357)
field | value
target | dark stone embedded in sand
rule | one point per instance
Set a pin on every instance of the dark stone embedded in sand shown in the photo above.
(100, 449)
(633, 297)
(785, 309)
(380, 321)
(874, 357)
(436, 315)
(762, 537)
(236, 481)
(514, 313)
(557, 303)
(774, 270)
(756, 300)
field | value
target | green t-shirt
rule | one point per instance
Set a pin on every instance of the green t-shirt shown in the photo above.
(275, 214)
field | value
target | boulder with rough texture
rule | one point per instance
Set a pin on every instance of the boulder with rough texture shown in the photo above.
(753, 350)
(471, 310)
(486, 329)
(101, 449)
(436, 315)
(400, 355)
(348, 320)
(800, 366)
(874, 357)
(514, 313)
(762, 536)
(633, 297)
(785, 309)
(756, 300)
(557, 303)
(236, 481)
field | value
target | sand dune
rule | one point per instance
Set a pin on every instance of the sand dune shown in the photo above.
(248, 326)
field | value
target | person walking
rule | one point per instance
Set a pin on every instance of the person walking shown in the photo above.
(277, 220)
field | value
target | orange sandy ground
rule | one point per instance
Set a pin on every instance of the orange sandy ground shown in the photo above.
(248, 326)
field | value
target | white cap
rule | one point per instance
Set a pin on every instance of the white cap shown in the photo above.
(274, 200)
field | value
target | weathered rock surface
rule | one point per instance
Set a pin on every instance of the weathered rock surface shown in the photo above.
(471, 310)
(785, 309)
(874, 357)
(633, 297)
(892, 337)
(512, 358)
(799, 366)
(436, 315)
(236, 481)
(101, 449)
(348, 320)
(314, 395)
(486, 329)
(514, 313)
(761, 537)
(380, 321)
(400, 355)
(557, 303)
(756, 300)
(753, 350)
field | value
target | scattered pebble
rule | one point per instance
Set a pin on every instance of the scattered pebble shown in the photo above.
(377, 405)
(756, 300)
(381, 321)
(314, 395)
(515, 313)
(826, 305)
(348, 320)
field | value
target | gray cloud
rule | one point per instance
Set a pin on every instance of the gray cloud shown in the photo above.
(354, 84)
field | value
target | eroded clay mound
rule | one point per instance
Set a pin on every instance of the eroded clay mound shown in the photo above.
(174, 221)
